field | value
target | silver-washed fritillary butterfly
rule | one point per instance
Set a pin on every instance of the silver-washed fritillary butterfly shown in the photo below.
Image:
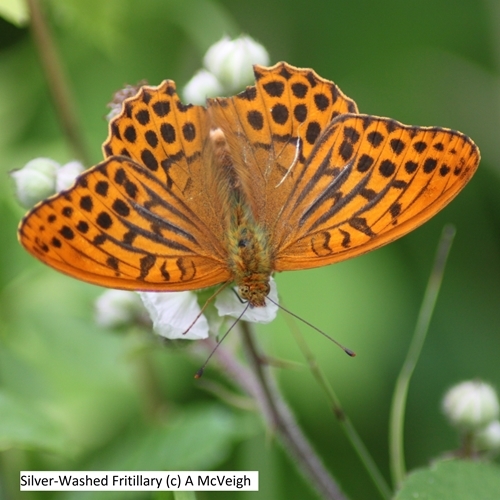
(285, 175)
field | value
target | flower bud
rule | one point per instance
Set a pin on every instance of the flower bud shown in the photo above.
(115, 308)
(488, 439)
(67, 174)
(231, 61)
(471, 405)
(35, 181)
(203, 84)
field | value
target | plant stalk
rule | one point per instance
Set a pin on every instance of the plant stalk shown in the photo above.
(57, 82)
(396, 422)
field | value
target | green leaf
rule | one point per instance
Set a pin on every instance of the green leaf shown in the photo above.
(453, 480)
(14, 11)
(23, 425)
(94, 21)
(198, 438)
(204, 21)
(184, 495)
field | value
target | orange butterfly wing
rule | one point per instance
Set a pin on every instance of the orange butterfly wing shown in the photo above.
(323, 183)
(143, 219)
(368, 181)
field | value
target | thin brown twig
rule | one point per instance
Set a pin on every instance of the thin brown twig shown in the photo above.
(260, 385)
(57, 82)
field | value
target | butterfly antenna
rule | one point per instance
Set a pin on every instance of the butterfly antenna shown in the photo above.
(199, 373)
(204, 307)
(348, 351)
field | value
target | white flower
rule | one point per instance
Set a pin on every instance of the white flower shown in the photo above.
(203, 84)
(35, 181)
(43, 177)
(176, 315)
(228, 70)
(471, 405)
(231, 61)
(116, 308)
(67, 174)
(173, 313)
(488, 439)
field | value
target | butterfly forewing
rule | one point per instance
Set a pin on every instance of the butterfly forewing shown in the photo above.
(120, 227)
(369, 181)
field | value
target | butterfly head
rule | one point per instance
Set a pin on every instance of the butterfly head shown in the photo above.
(255, 293)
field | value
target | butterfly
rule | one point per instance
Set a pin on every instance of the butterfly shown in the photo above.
(285, 175)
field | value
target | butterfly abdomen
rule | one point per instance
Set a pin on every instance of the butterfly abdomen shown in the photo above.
(249, 255)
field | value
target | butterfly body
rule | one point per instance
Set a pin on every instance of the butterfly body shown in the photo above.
(286, 175)
(247, 243)
(249, 258)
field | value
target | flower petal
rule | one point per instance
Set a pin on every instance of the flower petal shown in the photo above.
(67, 175)
(115, 308)
(173, 313)
(35, 181)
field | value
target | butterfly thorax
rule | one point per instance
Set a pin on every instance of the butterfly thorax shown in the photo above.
(248, 255)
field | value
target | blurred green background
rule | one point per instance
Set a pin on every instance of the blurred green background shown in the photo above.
(74, 396)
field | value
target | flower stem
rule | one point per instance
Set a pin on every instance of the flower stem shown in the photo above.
(283, 422)
(58, 85)
(396, 422)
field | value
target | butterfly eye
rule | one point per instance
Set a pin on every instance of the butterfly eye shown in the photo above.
(244, 291)
(255, 293)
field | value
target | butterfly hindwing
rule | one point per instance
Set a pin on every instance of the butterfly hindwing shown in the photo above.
(271, 128)
(171, 141)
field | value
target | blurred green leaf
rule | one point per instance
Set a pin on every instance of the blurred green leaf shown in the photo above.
(95, 21)
(101, 22)
(191, 15)
(184, 495)
(22, 92)
(24, 425)
(453, 480)
(198, 438)
(14, 11)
